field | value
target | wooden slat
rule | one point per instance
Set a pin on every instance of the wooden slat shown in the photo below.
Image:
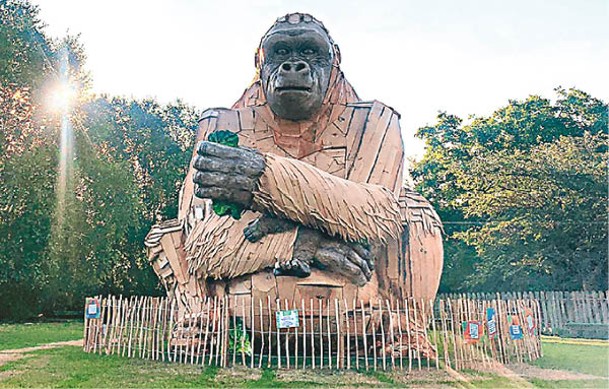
(408, 333)
(329, 337)
(348, 330)
(400, 334)
(339, 340)
(304, 333)
(416, 321)
(391, 333)
(356, 334)
(321, 337)
(373, 329)
(311, 314)
(262, 349)
(365, 335)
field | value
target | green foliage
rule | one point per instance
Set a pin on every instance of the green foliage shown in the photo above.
(220, 207)
(239, 339)
(224, 137)
(522, 193)
(24, 48)
(59, 244)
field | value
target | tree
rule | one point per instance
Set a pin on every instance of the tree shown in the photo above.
(24, 48)
(547, 215)
(128, 162)
(469, 170)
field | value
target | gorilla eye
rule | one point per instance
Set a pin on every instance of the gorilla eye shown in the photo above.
(308, 51)
(281, 51)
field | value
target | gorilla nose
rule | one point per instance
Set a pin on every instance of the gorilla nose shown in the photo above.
(295, 67)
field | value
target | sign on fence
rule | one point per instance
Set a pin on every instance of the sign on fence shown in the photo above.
(287, 319)
(515, 329)
(491, 323)
(92, 308)
(473, 331)
(530, 320)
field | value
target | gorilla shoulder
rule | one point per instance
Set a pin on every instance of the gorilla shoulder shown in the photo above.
(212, 113)
(373, 104)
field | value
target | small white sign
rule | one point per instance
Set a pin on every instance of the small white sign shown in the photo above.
(287, 319)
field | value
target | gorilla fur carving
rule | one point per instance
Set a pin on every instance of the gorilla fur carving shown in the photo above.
(319, 176)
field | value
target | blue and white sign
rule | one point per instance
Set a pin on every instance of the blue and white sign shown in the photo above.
(515, 332)
(92, 309)
(491, 323)
(287, 319)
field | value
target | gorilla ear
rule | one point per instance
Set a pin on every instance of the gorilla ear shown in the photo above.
(259, 58)
(337, 53)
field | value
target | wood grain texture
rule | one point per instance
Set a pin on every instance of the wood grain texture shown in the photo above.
(341, 172)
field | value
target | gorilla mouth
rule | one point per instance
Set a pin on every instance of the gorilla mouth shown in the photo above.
(293, 89)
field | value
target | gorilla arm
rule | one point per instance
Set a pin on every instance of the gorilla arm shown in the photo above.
(363, 208)
(353, 211)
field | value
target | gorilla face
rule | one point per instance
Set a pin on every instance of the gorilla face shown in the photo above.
(296, 69)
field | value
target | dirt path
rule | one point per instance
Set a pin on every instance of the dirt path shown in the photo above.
(17, 353)
(528, 371)
(510, 374)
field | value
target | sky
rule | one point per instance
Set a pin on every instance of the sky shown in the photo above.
(420, 57)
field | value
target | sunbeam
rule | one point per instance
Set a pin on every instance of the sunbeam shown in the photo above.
(63, 99)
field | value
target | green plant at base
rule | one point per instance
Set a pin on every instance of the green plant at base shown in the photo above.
(238, 339)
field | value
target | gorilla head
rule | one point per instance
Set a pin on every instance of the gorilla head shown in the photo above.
(295, 59)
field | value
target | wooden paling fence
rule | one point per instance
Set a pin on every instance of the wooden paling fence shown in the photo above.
(559, 310)
(317, 334)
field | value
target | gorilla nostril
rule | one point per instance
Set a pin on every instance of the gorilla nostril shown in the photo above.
(286, 66)
(300, 66)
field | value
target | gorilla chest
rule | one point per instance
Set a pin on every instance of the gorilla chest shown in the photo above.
(323, 146)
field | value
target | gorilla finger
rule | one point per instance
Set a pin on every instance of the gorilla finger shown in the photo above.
(335, 246)
(362, 264)
(215, 193)
(213, 164)
(252, 234)
(217, 150)
(342, 265)
(353, 273)
(362, 252)
(222, 180)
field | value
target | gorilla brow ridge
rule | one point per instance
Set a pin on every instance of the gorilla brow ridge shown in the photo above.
(297, 18)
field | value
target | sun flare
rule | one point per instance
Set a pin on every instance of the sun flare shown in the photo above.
(62, 96)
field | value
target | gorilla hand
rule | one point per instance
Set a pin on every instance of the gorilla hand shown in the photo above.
(313, 248)
(227, 173)
(264, 225)
(349, 259)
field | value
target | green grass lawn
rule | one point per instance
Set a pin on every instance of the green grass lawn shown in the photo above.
(71, 367)
(575, 355)
(580, 356)
(26, 335)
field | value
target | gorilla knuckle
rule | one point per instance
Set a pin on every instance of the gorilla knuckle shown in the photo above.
(202, 147)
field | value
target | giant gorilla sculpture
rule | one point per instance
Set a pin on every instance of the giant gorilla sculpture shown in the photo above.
(319, 174)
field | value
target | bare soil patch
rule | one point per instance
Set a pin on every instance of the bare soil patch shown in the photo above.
(529, 371)
(238, 372)
(17, 353)
(327, 377)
